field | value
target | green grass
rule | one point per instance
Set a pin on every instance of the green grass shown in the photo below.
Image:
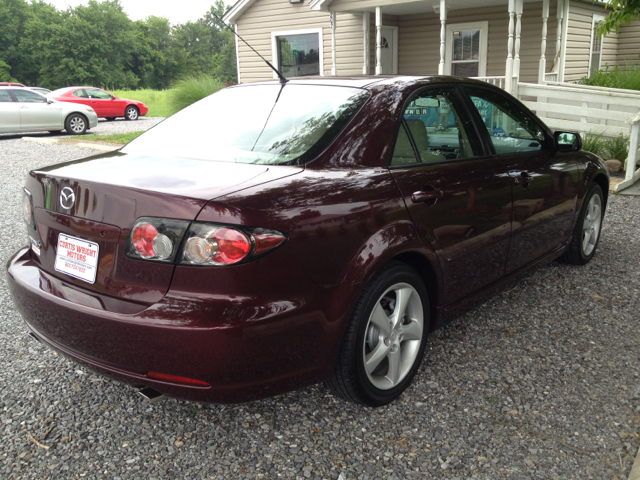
(191, 89)
(594, 143)
(156, 100)
(119, 138)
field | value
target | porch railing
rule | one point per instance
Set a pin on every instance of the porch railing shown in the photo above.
(632, 172)
(551, 77)
(586, 110)
(499, 82)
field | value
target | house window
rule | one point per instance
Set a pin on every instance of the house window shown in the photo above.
(595, 58)
(298, 53)
(466, 52)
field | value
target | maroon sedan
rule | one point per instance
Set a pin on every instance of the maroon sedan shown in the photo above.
(105, 104)
(311, 231)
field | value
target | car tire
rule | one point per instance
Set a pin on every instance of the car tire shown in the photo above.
(75, 124)
(586, 233)
(384, 342)
(110, 119)
(131, 113)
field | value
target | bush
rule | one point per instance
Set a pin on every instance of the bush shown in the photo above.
(628, 78)
(594, 143)
(191, 89)
(617, 147)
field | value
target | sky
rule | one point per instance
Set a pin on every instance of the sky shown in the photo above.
(175, 10)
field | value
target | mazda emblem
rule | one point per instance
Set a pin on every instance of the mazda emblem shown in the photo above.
(67, 198)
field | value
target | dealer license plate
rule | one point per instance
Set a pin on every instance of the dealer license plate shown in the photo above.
(77, 258)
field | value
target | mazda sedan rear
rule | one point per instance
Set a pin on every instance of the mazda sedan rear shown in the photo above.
(311, 231)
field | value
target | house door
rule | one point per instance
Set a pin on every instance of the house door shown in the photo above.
(389, 42)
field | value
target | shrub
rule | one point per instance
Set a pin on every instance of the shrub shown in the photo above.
(594, 143)
(628, 78)
(191, 89)
(617, 147)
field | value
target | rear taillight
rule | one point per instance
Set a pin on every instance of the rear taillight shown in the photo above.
(156, 239)
(203, 244)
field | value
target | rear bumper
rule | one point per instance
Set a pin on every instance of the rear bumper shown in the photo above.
(244, 347)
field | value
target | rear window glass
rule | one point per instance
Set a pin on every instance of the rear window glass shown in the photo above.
(262, 124)
(60, 91)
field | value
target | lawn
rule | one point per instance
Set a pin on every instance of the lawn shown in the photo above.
(118, 138)
(156, 100)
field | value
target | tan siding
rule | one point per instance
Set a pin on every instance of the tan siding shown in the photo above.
(266, 16)
(629, 44)
(420, 40)
(579, 41)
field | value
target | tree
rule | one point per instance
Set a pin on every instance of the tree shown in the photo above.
(622, 12)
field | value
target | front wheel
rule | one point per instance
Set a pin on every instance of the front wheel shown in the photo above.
(385, 339)
(587, 230)
(76, 124)
(131, 113)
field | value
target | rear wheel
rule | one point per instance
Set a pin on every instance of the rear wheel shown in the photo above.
(131, 113)
(587, 230)
(76, 124)
(385, 339)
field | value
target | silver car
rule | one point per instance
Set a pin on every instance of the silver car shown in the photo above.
(23, 110)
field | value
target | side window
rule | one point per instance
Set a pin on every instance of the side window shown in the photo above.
(80, 94)
(27, 96)
(97, 93)
(5, 97)
(435, 122)
(512, 130)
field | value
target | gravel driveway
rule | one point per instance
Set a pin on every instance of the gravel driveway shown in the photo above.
(539, 382)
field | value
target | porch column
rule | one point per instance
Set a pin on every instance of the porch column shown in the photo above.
(366, 32)
(508, 80)
(378, 41)
(556, 60)
(443, 35)
(516, 55)
(543, 60)
(332, 19)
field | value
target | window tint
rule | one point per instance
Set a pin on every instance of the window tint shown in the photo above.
(97, 93)
(78, 93)
(298, 55)
(438, 132)
(512, 130)
(27, 96)
(263, 124)
(5, 97)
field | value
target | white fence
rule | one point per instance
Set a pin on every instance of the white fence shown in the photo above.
(499, 82)
(587, 109)
(581, 108)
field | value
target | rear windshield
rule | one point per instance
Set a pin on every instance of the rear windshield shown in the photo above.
(60, 91)
(262, 124)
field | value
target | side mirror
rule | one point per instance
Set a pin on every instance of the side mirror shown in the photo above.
(113, 97)
(568, 141)
(50, 101)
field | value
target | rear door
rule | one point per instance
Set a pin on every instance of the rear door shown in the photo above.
(36, 113)
(457, 195)
(545, 182)
(9, 113)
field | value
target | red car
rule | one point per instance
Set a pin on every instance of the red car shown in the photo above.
(105, 104)
(314, 230)
(9, 84)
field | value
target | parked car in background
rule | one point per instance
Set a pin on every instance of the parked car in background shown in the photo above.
(230, 257)
(105, 104)
(42, 90)
(23, 110)
(9, 84)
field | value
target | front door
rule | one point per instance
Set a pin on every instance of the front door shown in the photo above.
(9, 113)
(545, 182)
(389, 50)
(36, 113)
(458, 197)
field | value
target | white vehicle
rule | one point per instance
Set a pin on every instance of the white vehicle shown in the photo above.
(23, 110)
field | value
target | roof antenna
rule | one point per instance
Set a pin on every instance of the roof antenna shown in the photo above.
(283, 80)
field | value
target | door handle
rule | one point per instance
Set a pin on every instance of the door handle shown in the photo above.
(523, 179)
(426, 194)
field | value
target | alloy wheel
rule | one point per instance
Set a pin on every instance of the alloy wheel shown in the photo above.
(591, 225)
(393, 336)
(77, 125)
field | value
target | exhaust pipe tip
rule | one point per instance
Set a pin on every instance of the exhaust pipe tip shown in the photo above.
(150, 395)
